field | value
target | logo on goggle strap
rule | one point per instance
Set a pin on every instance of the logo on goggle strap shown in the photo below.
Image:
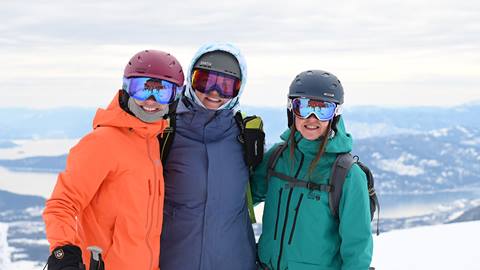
(329, 94)
(151, 85)
(315, 103)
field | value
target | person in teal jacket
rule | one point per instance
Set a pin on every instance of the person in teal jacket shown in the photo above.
(299, 231)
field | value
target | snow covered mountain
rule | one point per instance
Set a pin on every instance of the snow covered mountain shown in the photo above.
(22, 233)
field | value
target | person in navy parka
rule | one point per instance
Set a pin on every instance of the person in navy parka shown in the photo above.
(206, 221)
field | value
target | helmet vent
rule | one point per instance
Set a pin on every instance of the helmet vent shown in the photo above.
(171, 64)
(333, 86)
(326, 74)
(309, 72)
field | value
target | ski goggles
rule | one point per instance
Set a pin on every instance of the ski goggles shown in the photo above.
(206, 81)
(304, 107)
(142, 88)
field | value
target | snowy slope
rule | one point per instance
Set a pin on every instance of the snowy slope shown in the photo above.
(6, 253)
(440, 247)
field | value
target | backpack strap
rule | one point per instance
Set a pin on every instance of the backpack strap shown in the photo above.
(374, 204)
(295, 182)
(165, 138)
(272, 161)
(340, 169)
(291, 181)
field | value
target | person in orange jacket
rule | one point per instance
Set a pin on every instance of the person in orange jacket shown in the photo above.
(112, 190)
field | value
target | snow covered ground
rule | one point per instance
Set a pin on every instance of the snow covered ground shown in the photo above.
(439, 247)
(6, 251)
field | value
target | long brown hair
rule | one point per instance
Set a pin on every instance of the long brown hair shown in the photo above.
(321, 149)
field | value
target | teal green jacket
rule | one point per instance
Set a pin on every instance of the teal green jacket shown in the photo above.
(299, 231)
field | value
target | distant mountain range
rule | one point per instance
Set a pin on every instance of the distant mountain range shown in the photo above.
(362, 122)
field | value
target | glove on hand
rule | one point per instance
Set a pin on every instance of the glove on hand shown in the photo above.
(68, 257)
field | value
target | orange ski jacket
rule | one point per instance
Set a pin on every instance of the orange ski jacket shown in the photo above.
(111, 193)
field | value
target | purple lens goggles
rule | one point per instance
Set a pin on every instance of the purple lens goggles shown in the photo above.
(304, 107)
(142, 88)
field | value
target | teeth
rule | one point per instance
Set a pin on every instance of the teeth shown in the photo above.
(311, 127)
(213, 99)
(149, 109)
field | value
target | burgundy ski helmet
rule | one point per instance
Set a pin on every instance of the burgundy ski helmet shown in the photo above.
(155, 64)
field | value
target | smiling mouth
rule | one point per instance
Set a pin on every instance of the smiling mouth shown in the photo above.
(213, 99)
(150, 109)
(311, 127)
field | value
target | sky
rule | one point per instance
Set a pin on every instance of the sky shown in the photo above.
(388, 53)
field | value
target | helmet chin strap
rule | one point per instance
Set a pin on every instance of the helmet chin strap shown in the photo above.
(143, 115)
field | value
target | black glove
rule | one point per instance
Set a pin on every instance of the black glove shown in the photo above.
(67, 257)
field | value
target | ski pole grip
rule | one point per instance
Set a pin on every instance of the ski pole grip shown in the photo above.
(95, 251)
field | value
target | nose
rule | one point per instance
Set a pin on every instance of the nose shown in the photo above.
(312, 117)
(213, 93)
(150, 101)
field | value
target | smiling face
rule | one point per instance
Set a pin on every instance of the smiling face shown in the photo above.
(150, 105)
(311, 128)
(211, 100)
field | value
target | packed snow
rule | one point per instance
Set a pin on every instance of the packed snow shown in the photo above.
(6, 262)
(439, 247)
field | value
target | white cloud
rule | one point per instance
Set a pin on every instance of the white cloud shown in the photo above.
(66, 53)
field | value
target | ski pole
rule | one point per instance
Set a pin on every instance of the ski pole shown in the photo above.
(96, 261)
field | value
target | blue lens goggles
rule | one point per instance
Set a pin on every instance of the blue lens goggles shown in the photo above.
(304, 107)
(142, 88)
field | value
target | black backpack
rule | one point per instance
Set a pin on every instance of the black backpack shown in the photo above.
(340, 168)
(251, 137)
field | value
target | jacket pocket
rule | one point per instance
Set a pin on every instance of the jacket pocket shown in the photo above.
(278, 213)
(297, 209)
(112, 240)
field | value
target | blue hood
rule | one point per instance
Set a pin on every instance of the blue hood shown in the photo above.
(209, 47)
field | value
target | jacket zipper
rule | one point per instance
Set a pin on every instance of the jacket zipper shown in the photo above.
(159, 196)
(286, 214)
(278, 212)
(295, 219)
(148, 203)
(153, 207)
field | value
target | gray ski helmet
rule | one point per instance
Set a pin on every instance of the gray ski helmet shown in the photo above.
(317, 84)
(220, 61)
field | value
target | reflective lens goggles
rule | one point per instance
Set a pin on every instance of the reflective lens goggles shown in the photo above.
(304, 107)
(206, 81)
(142, 88)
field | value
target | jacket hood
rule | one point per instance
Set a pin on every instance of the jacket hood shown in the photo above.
(340, 143)
(209, 47)
(115, 116)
